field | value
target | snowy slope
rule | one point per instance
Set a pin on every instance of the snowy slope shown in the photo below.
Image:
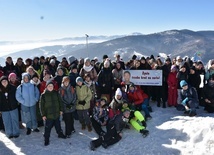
(171, 133)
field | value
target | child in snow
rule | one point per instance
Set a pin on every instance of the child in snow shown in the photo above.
(84, 96)
(189, 98)
(51, 109)
(100, 115)
(114, 131)
(116, 104)
(136, 119)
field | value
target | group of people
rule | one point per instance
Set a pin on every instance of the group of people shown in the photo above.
(45, 91)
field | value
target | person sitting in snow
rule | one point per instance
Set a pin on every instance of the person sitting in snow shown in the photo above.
(189, 98)
(116, 104)
(136, 119)
(139, 100)
(114, 131)
(100, 115)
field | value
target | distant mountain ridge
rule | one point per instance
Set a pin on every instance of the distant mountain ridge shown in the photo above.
(171, 42)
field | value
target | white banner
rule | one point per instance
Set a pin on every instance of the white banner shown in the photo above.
(146, 77)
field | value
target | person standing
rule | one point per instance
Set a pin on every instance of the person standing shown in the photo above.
(9, 108)
(68, 96)
(51, 109)
(28, 95)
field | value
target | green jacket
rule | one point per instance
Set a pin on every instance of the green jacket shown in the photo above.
(83, 94)
(50, 104)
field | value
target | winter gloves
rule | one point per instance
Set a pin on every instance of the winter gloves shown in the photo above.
(82, 103)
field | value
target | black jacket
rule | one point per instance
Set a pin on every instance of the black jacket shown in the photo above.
(8, 103)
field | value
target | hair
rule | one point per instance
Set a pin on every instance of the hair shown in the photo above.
(127, 72)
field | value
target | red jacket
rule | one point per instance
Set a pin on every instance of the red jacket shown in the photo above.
(172, 80)
(43, 86)
(137, 97)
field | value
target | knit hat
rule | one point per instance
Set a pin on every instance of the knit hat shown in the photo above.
(86, 59)
(173, 67)
(65, 78)
(49, 82)
(105, 56)
(71, 59)
(183, 83)
(3, 78)
(168, 59)
(103, 99)
(79, 79)
(35, 75)
(25, 74)
(12, 75)
(118, 92)
(73, 66)
(52, 61)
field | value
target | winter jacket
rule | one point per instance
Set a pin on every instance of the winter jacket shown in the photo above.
(118, 122)
(9, 69)
(83, 94)
(172, 81)
(181, 76)
(208, 93)
(68, 96)
(8, 103)
(118, 76)
(98, 117)
(50, 104)
(92, 72)
(209, 73)
(73, 77)
(105, 81)
(189, 95)
(137, 97)
(116, 104)
(27, 94)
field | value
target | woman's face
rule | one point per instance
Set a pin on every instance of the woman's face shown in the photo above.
(87, 63)
(4, 83)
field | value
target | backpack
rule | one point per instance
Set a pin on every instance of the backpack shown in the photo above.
(62, 91)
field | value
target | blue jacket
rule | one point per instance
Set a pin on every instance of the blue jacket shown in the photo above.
(27, 94)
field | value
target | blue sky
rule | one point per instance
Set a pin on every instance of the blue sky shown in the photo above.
(21, 19)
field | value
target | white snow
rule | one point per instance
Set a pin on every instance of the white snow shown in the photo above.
(171, 133)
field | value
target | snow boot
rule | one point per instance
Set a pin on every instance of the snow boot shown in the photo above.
(83, 126)
(46, 142)
(28, 131)
(92, 146)
(144, 132)
(144, 123)
(61, 135)
(89, 127)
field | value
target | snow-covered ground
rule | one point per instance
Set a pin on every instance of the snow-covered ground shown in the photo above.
(171, 133)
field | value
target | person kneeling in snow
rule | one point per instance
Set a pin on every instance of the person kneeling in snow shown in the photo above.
(136, 119)
(189, 98)
(114, 131)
